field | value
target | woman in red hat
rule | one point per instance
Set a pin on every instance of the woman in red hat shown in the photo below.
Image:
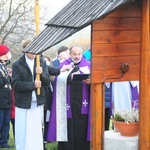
(5, 96)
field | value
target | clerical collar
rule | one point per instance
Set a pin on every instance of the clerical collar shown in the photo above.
(76, 64)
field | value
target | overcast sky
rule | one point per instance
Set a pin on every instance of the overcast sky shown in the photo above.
(51, 8)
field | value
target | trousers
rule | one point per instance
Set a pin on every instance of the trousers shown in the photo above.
(4, 125)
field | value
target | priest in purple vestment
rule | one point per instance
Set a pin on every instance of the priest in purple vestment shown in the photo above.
(70, 118)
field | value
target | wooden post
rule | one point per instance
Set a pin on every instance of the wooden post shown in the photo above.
(37, 21)
(37, 18)
(144, 137)
(97, 117)
(38, 75)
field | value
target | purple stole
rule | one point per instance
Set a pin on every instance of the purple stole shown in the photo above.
(135, 97)
(52, 128)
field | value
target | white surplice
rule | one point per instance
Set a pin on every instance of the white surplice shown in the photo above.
(28, 128)
(121, 94)
(61, 106)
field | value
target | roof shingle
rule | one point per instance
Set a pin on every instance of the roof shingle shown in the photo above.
(72, 18)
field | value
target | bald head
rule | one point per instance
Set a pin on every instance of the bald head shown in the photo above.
(76, 53)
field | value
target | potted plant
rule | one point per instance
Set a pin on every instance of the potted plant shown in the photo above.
(126, 121)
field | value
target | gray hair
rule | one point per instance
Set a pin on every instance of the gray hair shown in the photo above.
(77, 45)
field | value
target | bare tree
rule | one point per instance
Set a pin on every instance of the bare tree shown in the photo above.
(16, 23)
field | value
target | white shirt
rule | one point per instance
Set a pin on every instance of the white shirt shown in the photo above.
(30, 63)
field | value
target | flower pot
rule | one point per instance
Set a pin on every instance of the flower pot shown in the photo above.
(126, 129)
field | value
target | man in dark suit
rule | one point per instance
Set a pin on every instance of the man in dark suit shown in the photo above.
(62, 54)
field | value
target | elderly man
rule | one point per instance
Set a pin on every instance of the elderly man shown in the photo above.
(69, 121)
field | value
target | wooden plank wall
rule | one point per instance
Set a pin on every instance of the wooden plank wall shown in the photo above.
(116, 40)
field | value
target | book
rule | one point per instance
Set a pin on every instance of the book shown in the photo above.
(80, 77)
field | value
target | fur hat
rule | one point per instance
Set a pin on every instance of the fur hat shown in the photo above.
(3, 50)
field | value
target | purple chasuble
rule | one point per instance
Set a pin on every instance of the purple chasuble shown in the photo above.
(52, 128)
(51, 136)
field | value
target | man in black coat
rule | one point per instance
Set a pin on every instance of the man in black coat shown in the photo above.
(62, 54)
(29, 104)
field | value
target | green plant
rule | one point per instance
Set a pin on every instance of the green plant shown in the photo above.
(126, 115)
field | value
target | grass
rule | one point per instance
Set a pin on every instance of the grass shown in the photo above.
(49, 146)
(110, 125)
(52, 146)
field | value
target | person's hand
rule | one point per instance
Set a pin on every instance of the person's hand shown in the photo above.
(65, 68)
(77, 72)
(37, 84)
(87, 81)
(39, 70)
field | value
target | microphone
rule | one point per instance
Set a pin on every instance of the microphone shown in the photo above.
(72, 64)
(76, 68)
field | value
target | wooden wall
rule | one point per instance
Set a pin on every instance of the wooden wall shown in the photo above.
(116, 40)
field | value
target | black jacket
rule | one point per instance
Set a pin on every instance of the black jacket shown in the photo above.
(5, 91)
(23, 84)
(54, 71)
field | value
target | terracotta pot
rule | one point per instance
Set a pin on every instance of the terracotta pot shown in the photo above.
(126, 129)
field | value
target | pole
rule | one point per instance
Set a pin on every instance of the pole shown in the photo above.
(37, 21)
(144, 121)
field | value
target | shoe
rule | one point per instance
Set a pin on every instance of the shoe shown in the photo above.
(45, 142)
(6, 146)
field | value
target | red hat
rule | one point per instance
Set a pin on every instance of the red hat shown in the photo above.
(3, 50)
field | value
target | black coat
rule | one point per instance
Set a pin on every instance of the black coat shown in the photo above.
(23, 84)
(54, 71)
(5, 91)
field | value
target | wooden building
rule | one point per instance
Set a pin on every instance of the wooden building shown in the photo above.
(116, 41)
(120, 39)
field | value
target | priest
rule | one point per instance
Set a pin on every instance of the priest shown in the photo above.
(70, 118)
